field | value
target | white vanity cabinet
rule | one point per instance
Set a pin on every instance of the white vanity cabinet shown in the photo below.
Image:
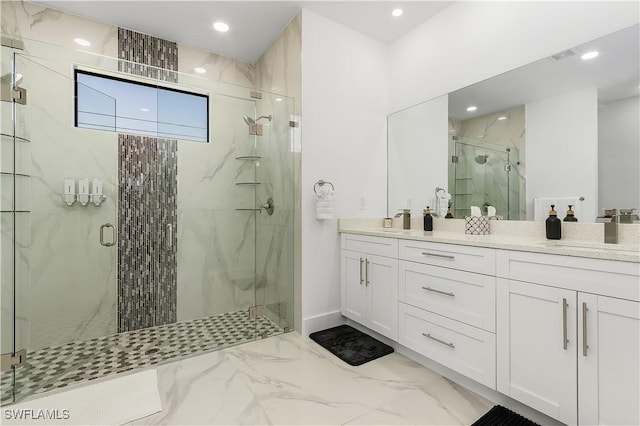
(567, 340)
(370, 282)
(447, 313)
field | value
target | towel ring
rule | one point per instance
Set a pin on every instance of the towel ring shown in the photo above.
(322, 183)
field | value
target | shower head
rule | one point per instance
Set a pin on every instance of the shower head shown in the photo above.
(251, 121)
(481, 159)
(8, 79)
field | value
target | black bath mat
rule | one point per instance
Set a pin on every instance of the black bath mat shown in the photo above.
(350, 345)
(500, 416)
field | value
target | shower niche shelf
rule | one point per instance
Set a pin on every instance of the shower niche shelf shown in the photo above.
(248, 183)
(249, 158)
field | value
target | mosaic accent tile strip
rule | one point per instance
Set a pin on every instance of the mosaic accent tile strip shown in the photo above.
(80, 362)
(147, 232)
(145, 55)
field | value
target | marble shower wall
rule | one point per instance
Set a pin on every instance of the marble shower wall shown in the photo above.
(509, 133)
(279, 70)
(216, 247)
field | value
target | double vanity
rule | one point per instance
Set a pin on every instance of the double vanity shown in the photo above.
(554, 325)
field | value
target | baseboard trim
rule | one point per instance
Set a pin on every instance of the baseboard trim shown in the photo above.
(322, 322)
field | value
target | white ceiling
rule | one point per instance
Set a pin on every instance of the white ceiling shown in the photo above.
(254, 24)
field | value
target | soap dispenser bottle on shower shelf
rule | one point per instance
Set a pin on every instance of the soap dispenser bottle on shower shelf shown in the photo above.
(553, 225)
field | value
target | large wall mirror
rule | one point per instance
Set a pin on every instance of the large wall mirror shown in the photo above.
(563, 130)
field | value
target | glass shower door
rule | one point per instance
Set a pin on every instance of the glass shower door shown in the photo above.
(275, 229)
(66, 234)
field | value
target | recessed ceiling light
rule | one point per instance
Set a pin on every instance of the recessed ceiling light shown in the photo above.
(278, 99)
(82, 42)
(397, 12)
(472, 108)
(144, 109)
(199, 70)
(590, 55)
(502, 117)
(221, 26)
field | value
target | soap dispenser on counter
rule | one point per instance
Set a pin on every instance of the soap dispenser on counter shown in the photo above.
(449, 215)
(570, 217)
(553, 224)
(428, 219)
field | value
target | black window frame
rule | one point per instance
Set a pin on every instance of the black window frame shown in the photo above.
(77, 71)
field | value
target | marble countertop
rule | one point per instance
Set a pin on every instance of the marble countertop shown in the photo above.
(578, 248)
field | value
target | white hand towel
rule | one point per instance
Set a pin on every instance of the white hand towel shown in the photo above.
(324, 204)
(475, 211)
(491, 211)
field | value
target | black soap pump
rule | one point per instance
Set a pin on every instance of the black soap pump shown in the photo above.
(428, 219)
(570, 216)
(449, 215)
(554, 224)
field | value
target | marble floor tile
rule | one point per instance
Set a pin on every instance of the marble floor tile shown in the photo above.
(290, 380)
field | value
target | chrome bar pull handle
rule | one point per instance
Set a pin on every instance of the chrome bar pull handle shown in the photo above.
(169, 235)
(438, 291)
(564, 323)
(444, 256)
(585, 346)
(366, 272)
(114, 234)
(449, 344)
(361, 279)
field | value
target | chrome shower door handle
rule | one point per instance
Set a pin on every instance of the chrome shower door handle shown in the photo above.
(114, 235)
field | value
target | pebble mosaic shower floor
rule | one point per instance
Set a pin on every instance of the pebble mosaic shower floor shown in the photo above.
(78, 362)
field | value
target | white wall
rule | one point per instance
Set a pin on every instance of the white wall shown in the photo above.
(619, 154)
(471, 41)
(560, 128)
(417, 136)
(344, 101)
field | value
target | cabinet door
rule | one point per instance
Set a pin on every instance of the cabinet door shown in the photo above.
(608, 361)
(536, 347)
(381, 281)
(354, 293)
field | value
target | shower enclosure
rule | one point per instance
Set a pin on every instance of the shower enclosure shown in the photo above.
(484, 174)
(188, 248)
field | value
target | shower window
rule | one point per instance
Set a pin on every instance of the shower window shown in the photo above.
(125, 106)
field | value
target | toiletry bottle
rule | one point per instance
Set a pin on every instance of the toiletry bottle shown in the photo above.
(553, 225)
(449, 215)
(570, 217)
(428, 220)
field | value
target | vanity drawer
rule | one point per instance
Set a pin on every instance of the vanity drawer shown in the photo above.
(465, 258)
(612, 278)
(380, 246)
(460, 347)
(462, 296)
